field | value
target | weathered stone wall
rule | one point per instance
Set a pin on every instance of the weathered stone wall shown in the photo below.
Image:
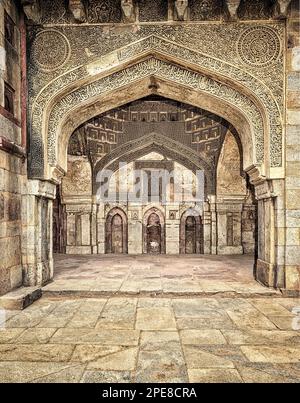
(12, 177)
(12, 166)
(292, 183)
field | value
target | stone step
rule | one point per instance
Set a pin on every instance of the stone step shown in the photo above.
(144, 294)
(20, 298)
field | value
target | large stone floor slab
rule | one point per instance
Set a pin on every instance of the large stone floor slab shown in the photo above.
(203, 339)
(164, 275)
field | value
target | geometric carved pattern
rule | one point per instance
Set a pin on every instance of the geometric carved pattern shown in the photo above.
(50, 50)
(259, 46)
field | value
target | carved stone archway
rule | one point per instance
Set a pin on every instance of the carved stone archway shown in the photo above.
(70, 108)
(159, 66)
(84, 92)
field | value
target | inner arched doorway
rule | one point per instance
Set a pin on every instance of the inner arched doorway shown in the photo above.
(116, 232)
(191, 234)
(153, 235)
(154, 232)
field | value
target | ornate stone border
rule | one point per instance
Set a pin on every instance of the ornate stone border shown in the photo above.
(62, 50)
(262, 54)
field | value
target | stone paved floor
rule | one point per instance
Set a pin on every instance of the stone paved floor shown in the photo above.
(159, 275)
(212, 339)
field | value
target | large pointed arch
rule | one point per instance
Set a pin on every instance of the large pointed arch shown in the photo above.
(213, 85)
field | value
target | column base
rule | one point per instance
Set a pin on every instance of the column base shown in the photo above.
(264, 273)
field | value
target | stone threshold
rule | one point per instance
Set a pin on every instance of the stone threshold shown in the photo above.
(145, 294)
(20, 298)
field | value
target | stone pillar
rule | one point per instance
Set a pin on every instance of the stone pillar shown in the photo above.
(266, 264)
(172, 230)
(213, 225)
(94, 228)
(292, 184)
(101, 229)
(37, 210)
(206, 219)
(135, 230)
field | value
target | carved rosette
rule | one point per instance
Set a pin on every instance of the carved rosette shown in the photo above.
(50, 50)
(259, 46)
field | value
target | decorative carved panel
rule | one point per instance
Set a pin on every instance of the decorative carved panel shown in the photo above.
(154, 10)
(104, 11)
(205, 9)
(256, 9)
(55, 12)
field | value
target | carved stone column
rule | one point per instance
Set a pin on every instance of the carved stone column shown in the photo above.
(101, 229)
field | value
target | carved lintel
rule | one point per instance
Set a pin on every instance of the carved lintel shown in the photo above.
(78, 10)
(128, 11)
(181, 8)
(282, 8)
(233, 6)
(32, 10)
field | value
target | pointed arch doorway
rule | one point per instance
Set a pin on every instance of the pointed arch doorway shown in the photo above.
(116, 233)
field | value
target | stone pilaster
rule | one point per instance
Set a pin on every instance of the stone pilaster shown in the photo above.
(214, 238)
(37, 212)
